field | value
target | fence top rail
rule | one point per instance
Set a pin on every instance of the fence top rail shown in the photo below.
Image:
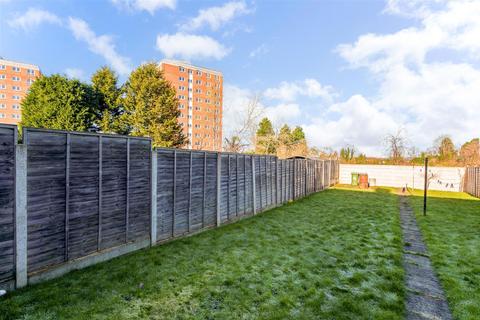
(8, 126)
(83, 133)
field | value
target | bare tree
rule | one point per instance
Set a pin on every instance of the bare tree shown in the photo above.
(244, 135)
(234, 144)
(396, 145)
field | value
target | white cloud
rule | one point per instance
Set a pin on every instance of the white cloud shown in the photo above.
(146, 5)
(259, 51)
(455, 28)
(283, 113)
(427, 97)
(189, 46)
(102, 45)
(75, 73)
(33, 18)
(215, 17)
(355, 122)
(289, 91)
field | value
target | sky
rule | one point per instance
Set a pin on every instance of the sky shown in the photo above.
(348, 72)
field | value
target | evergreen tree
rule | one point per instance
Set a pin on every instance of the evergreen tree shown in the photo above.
(284, 137)
(297, 134)
(105, 84)
(56, 102)
(265, 140)
(151, 107)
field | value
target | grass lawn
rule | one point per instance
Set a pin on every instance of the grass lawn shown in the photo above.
(451, 231)
(336, 254)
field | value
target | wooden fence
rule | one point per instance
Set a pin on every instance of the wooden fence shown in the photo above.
(8, 138)
(199, 190)
(472, 181)
(92, 195)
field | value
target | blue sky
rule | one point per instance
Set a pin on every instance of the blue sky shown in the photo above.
(349, 72)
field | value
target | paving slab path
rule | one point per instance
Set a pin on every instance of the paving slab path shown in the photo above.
(425, 296)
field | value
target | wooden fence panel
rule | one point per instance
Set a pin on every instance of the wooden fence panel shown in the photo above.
(197, 195)
(85, 192)
(46, 195)
(139, 190)
(232, 194)
(225, 187)
(249, 185)
(211, 191)
(7, 202)
(83, 196)
(114, 192)
(165, 194)
(182, 192)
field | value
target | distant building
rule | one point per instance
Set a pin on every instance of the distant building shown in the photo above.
(200, 95)
(15, 81)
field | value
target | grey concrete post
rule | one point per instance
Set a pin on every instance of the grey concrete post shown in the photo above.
(21, 215)
(253, 187)
(153, 225)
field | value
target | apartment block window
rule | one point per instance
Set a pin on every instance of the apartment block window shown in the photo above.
(208, 75)
(181, 106)
(16, 107)
(189, 80)
(16, 69)
(199, 73)
(3, 106)
(15, 78)
(190, 108)
(31, 72)
(16, 97)
(2, 115)
(15, 116)
(198, 81)
(3, 86)
(190, 71)
(181, 97)
(181, 88)
(2, 96)
(197, 126)
(181, 69)
(3, 67)
(197, 108)
(197, 135)
(30, 81)
(198, 117)
(198, 90)
(181, 78)
(16, 88)
(189, 125)
(2, 76)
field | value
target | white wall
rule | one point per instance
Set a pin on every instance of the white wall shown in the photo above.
(444, 178)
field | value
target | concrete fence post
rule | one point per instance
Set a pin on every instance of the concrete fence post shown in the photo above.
(153, 196)
(21, 215)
